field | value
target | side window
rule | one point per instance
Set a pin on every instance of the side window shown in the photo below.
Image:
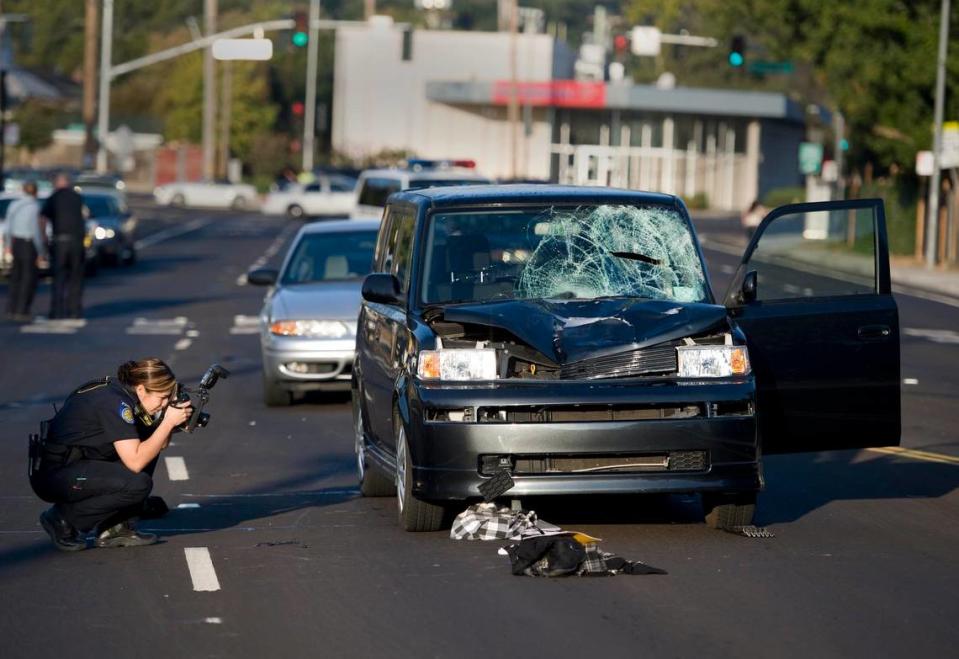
(376, 190)
(313, 187)
(342, 184)
(379, 256)
(403, 248)
(816, 254)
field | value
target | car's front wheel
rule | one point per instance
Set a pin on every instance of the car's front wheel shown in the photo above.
(729, 510)
(178, 200)
(373, 483)
(296, 212)
(414, 515)
(273, 394)
(239, 203)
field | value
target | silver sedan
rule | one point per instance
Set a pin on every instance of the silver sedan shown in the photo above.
(308, 321)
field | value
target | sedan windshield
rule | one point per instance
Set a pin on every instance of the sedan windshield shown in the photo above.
(583, 253)
(330, 256)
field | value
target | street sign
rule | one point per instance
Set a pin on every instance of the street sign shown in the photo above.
(830, 171)
(243, 49)
(949, 156)
(645, 41)
(924, 163)
(810, 157)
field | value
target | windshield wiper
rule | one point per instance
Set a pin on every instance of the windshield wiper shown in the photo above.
(634, 256)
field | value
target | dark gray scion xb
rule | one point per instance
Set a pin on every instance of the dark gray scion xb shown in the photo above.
(570, 336)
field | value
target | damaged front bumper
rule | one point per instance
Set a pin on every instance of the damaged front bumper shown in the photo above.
(638, 435)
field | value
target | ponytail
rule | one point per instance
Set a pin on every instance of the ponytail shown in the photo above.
(152, 373)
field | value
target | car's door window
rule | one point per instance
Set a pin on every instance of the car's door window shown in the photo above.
(816, 254)
(313, 187)
(399, 246)
(342, 184)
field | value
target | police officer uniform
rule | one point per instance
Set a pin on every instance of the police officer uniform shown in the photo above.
(80, 471)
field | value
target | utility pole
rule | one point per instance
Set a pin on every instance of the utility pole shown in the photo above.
(512, 109)
(309, 107)
(369, 8)
(932, 225)
(106, 55)
(226, 112)
(91, 33)
(209, 92)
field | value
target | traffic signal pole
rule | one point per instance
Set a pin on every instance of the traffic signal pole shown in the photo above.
(309, 110)
(932, 226)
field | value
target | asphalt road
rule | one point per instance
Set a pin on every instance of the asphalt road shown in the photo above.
(863, 564)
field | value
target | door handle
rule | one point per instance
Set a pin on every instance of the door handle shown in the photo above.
(872, 332)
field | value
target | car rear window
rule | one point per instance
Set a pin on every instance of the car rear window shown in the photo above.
(584, 252)
(330, 256)
(375, 191)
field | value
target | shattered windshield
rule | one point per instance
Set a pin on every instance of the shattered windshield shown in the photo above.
(583, 252)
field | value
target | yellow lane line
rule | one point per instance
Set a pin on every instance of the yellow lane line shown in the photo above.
(916, 454)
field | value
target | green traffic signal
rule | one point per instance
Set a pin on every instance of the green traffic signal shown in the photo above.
(300, 39)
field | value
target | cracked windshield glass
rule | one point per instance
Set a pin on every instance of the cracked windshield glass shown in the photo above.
(581, 253)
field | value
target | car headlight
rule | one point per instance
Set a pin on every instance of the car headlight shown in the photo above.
(323, 329)
(467, 364)
(101, 233)
(712, 361)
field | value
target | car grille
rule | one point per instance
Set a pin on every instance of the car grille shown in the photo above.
(657, 359)
(585, 413)
(531, 465)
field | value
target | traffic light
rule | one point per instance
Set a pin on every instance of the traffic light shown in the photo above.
(737, 51)
(300, 36)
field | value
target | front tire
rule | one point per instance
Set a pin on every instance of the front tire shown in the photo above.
(727, 511)
(274, 395)
(296, 212)
(414, 515)
(373, 483)
(239, 203)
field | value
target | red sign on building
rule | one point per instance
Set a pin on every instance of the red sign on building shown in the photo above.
(555, 93)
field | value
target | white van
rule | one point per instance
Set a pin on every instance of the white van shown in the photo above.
(375, 185)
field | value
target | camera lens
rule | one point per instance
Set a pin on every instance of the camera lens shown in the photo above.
(202, 420)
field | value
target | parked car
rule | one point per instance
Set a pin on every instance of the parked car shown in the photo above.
(210, 194)
(308, 320)
(376, 185)
(570, 337)
(329, 195)
(112, 227)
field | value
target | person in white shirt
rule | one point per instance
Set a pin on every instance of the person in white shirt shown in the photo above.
(25, 237)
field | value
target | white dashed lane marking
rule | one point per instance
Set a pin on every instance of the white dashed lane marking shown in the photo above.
(183, 344)
(269, 253)
(58, 326)
(245, 325)
(170, 326)
(934, 335)
(172, 232)
(176, 469)
(910, 381)
(201, 569)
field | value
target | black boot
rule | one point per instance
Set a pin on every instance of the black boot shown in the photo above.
(124, 534)
(64, 536)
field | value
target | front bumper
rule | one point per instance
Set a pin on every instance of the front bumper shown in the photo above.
(562, 423)
(327, 364)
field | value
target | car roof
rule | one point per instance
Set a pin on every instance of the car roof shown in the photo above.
(482, 195)
(340, 226)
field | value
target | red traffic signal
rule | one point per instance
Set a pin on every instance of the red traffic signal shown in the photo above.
(297, 108)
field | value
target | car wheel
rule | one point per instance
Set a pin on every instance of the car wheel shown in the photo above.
(178, 200)
(296, 212)
(239, 203)
(274, 395)
(373, 483)
(726, 511)
(414, 515)
(131, 256)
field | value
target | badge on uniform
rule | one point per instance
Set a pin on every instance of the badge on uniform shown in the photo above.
(126, 413)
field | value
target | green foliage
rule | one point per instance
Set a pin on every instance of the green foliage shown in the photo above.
(900, 203)
(874, 60)
(782, 196)
(698, 201)
(37, 121)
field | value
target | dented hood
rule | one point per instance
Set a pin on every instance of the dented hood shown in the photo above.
(568, 331)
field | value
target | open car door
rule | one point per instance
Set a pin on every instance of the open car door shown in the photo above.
(813, 296)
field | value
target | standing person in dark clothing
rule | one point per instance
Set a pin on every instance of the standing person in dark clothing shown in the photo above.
(99, 453)
(27, 243)
(64, 209)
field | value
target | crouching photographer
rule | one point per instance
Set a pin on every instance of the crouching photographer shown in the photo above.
(95, 459)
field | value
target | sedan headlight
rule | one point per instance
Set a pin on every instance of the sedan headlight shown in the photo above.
(469, 364)
(321, 329)
(102, 233)
(712, 361)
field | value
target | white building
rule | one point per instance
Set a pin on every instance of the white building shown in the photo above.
(445, 94)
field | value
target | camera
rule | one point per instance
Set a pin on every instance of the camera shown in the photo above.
(199, 397)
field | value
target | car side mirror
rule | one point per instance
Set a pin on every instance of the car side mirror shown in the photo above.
(747, 292)
(382, 287)
(262, 277)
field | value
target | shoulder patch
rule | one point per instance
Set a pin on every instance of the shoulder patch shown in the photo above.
(126, 413)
